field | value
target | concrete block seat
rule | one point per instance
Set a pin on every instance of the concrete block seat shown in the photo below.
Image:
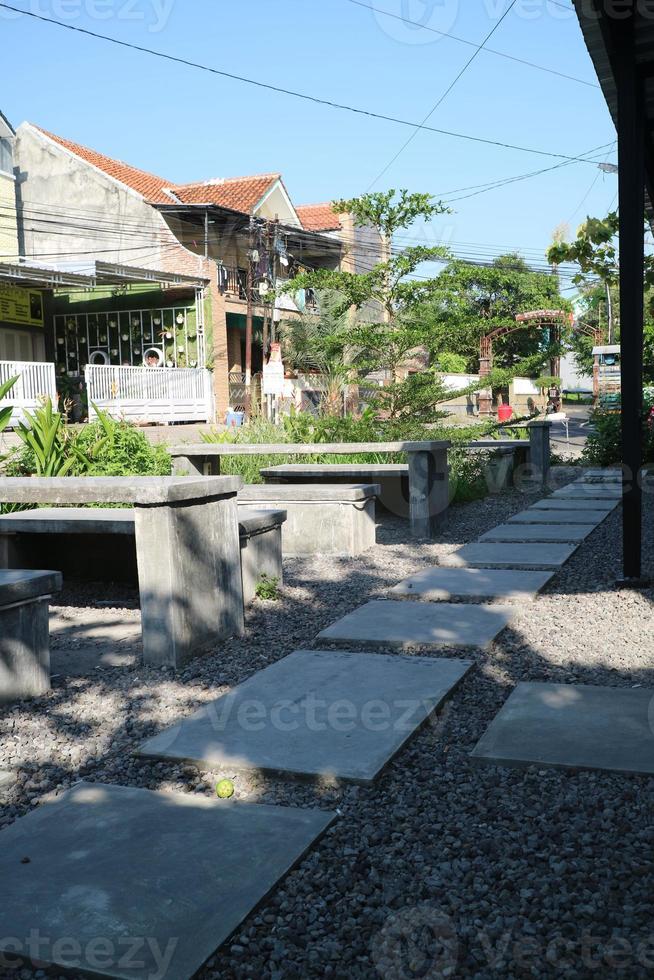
(98, 544)
(321, 518)
(392, 479)
(24, 634)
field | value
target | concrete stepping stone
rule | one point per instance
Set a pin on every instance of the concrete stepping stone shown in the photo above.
(574, 503)
(163, 878)
(589, 491)
(572, 726)
(393, 623)
(539, 515)
(600, 476)
(489, 554)
(440, 583)
(315, 713)
(538, 532)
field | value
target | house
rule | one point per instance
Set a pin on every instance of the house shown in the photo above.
(171, 273)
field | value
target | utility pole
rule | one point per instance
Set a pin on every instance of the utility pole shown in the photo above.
(609, 312)
(248, 322)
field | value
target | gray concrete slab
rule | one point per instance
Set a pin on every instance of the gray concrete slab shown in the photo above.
(539, 515)
(488, 554)
(573, 503)
(19, 585)
(162, 878)
(538, 532)
(588, 491)
(439, 583)
(143, 490)
(572, 726)
(315, 713)
(397, 624)
(601, 476)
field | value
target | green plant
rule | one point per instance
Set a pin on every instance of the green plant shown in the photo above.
(50, 449)
(117, 448)
(5, 413)
(267, 587)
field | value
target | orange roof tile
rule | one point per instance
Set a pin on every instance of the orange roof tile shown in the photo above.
(319, 217)
(144, 183)
(237, 193)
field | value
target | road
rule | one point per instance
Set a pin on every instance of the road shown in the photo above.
(578, 428)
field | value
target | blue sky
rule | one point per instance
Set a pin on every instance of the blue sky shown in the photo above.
(186, 125)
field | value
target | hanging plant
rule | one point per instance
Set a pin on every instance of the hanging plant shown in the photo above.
(71, 324)
(180, 318)
(137, 350)
(169, 363)
(114, 352)
(124, 336)
(60, 341)
(169, 335)
(112, 323)
(156, 320)
(103, 339)
(82, 340)
(136, 322)
(194, 363)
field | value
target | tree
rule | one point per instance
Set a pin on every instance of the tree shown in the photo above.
(468, 301)
(384, 333)
(596, 251)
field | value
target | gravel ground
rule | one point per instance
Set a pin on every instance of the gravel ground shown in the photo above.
(442, 868)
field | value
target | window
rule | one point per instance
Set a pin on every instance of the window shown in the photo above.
(6, 155)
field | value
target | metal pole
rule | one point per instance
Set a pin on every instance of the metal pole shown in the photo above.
(248, 323)
(631, 193)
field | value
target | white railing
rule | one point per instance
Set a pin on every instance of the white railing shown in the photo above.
(36, 381)
(141, 394)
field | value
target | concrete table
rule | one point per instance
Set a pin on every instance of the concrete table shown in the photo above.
(140, 885)
(573, 726)
(428, 471)
(318, 713)
(187, 547)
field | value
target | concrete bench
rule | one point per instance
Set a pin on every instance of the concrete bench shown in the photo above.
(97, 543)
(426, 461)
(24, 632)
(391, 479)
(187, 548)
(321, 519)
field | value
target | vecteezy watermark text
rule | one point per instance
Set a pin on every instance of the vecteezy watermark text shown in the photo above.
(155, 14)
(99, 953)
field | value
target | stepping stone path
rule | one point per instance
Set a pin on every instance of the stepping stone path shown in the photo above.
(573, 503)
(391, 623)
(442, 583)
(538, 515)
(163, 878)
(487, 554)
(538, 532)
(573, 726)
(184, 870)
(315, 713)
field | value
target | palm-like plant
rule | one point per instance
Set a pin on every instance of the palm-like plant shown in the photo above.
(45, 434)
(320, 342)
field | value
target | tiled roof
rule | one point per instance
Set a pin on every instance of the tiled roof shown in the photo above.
(148, 185)
(237, 193)
(318, 217)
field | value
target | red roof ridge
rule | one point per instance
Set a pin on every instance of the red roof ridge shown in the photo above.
(218, 181)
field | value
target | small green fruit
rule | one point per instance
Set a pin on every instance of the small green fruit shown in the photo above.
(224, 789)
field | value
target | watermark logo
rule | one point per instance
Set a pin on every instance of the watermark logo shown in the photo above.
(416, 942)
(416, 21)
(125, 954)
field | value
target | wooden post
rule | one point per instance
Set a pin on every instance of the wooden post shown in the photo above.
(631, 205)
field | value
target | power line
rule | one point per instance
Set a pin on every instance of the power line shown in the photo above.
(473, 44)
(445, 94)
(297, 95)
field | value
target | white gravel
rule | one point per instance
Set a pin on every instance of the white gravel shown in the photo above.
(442, 868)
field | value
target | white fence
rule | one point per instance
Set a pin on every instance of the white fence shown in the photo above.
(36, 381)
(141, 394)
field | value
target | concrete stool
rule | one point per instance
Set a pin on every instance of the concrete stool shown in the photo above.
(260, 535)
(24, 632)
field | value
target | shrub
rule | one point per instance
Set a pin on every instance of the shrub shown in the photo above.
(604, 444)
(120, 449)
